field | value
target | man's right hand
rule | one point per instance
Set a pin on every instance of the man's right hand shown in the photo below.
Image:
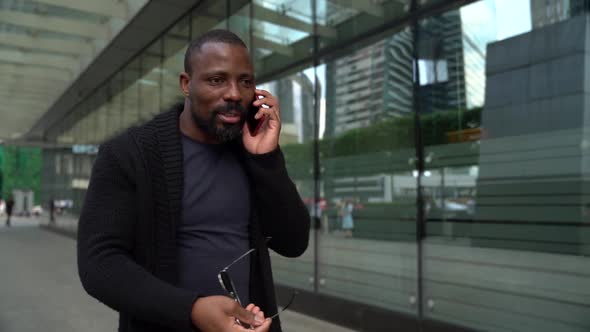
(219, 313)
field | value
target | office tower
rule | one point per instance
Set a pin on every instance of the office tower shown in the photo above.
(545, 12)
(370, 84)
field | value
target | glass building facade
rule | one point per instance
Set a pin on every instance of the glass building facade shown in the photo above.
(442, 147)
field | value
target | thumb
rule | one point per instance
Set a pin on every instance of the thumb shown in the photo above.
(246, 316)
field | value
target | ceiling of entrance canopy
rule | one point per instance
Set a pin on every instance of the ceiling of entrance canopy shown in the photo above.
(44, 46)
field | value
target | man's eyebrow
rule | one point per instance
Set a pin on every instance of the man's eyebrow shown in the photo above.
(246, 75)
(215, 72)
(224, 73)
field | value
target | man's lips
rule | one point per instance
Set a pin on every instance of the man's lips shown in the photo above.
(230, 117)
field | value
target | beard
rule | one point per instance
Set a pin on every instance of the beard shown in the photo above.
(222, 132)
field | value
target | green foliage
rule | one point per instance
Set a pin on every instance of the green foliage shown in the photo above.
(389, 135)
(1, 171)
(435, 126)
(21, 169)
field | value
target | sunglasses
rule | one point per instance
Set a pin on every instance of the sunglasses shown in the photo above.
(228, 285)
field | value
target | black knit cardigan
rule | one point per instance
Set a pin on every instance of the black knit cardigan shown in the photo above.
(127, 228)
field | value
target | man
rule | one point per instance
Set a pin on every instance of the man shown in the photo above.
(52, 210)
(174, 201)
(9, 208)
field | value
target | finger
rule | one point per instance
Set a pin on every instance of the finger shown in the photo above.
(268, 101)
(246, 316)
(277, 114)
(251, 306)
(262, 92)
(265, 326)
(239, 328)
(274, 116)
(260, 315)
(270, 112)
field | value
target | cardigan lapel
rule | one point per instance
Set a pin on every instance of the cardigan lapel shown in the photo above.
(170, 151)
(170, 146)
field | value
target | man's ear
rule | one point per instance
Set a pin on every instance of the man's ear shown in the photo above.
(184, 81)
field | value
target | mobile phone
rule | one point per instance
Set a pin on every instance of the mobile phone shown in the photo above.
(253, 123)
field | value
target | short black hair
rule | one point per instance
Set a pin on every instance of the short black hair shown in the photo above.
(212, 36)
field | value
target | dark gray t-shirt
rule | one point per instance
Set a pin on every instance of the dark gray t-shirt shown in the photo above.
(213, 229)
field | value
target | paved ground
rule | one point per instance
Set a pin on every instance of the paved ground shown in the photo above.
(40, 289)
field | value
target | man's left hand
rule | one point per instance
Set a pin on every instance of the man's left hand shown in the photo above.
(267, 138)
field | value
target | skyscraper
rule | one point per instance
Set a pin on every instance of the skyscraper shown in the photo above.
(441, 64)
(545, 12)
(370, 84)
(376, 82)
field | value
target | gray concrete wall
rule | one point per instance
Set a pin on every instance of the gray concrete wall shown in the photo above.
(534, 162)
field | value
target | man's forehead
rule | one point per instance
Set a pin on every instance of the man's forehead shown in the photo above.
(220, 52)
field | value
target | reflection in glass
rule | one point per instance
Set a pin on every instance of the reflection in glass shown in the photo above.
(367, 248)
(239, 19)
(207, 16)
(116, 105)
(503, 179)
(281, 33)
(370, 85)
(150, 83)
(175, 44)
(295, 95)
(346, 19)
(131, 74)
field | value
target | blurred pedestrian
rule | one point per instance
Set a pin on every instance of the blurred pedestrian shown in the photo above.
(347, 221)
(52, 210)
(9, 206)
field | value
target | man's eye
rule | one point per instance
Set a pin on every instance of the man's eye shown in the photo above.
(215, 80)
(247, 83)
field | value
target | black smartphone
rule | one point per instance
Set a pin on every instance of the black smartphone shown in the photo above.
(253, 123)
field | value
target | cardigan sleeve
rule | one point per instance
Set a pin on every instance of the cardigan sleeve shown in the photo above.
(282, 214)
(105, 243)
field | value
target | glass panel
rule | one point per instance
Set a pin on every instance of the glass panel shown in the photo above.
(131, 93)
(368, 250)
(282, 33)
(86, 126)
(214, 15)
(342, 20)
(504, 120)
(65, 135)
(80, 132)
(175, 44)
(150, 82)
(115, 105)
(102, 115)
(91, 128)
(208, 16)
(239, 19)
(427, 3)
(295, 94)
(72, 131)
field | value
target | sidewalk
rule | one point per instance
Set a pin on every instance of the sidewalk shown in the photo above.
(65, 224)
(41, 290)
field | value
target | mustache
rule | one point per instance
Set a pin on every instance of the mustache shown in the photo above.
(229, 108)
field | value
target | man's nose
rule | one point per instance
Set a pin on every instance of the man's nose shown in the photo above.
(233, 93)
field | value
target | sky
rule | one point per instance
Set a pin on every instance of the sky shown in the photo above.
(513, 17)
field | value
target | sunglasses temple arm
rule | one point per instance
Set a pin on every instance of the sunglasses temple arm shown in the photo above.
(285, 307)
(238, 259)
